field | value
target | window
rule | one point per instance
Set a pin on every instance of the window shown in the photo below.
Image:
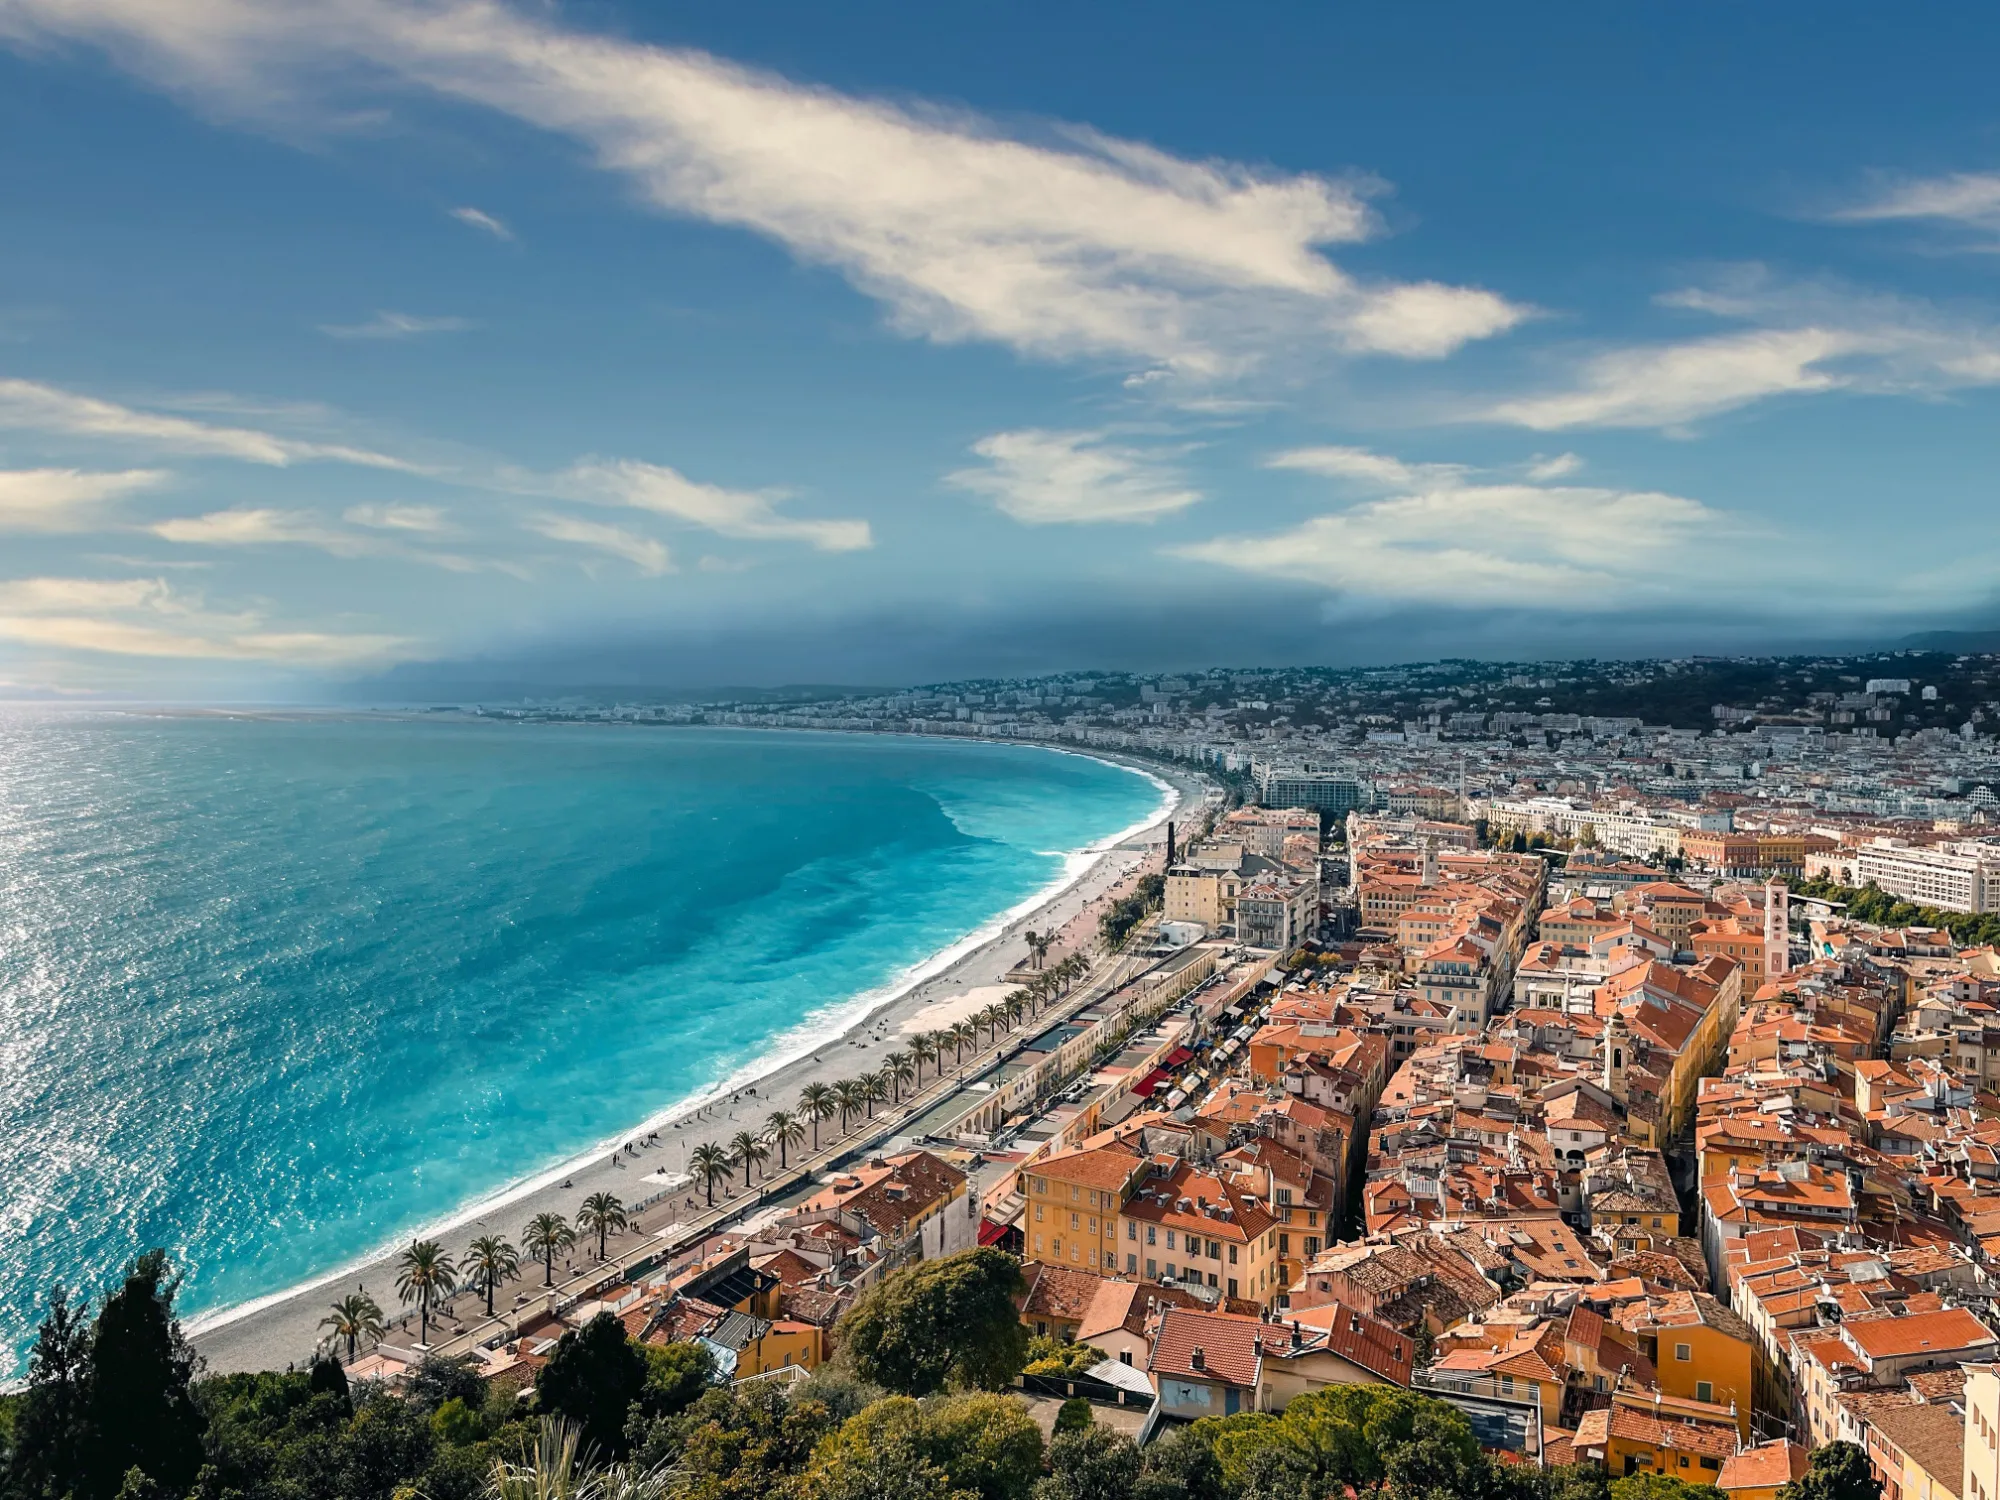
(1232, 1286)
(1232, 1255)
(1038, 1244)
(1704, 1391)
(1711, 1463)
(1214, 1250)
(1152, 1270)
(1683, 1353)
(1312, 1244)
(1038, 1213)
(1072, 1192)
(1072, 1222)
(1132, 1264)
(1170, 1239)
(1131, 1230)
(1151, 1238)
(1284, 1244)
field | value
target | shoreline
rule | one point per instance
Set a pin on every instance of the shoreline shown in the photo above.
(281, 1327)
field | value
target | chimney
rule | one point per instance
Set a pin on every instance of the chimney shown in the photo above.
(1198, 1357)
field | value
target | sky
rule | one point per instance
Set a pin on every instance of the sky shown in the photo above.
(378, 347)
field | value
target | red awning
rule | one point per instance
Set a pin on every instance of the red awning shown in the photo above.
(991, 1233)
(1178, 1056)
(1150, 1082)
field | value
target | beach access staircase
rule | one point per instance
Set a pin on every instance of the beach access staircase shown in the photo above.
(667, 1240)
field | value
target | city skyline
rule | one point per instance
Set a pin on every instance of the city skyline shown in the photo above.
(772, 347)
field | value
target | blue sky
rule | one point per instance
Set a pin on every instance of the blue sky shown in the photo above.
(764, 342)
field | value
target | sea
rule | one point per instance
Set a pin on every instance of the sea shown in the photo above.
(278, 990)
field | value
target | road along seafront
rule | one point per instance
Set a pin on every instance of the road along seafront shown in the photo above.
(644, 1166)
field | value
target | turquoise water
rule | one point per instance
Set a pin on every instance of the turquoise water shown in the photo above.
(274, 992)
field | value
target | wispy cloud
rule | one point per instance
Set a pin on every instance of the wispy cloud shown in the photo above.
(1446, 540)
(66, 499)
(1541, 470)
(427, 520)
(394, 325)
(1364, 465)
(1971, 199)
(645, 553)
(1061, 244)
(144, 617)
(268, 527)
(1045, 478)
(484, 221)
(1809, 338)
(32, 406)
(734, 513)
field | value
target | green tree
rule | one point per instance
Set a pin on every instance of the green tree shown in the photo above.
(938, 1323)
(847, 1099)
(1061, 1358)
(783, 1129)
(1179, 1466)
(984, 1444)
(602, 1214)
(1839, 1471)
(749, 1152)
(353, 1318)
(547, 1235)
(141, 1412)
(893, 1471)
(424, 1275)
(1644, 1486)
(710, 1164)
(1583, 1481)
(489, 1261)
(676, 1376)
(816, 1103)
(50, 1422)
(1090, 1462)
(1074, 1415)
(593, 1376)
(456, 1424)
(901, 1069)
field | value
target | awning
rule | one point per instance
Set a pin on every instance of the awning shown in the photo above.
(991, 1233)
(1151, 1081)
(1178, 1056)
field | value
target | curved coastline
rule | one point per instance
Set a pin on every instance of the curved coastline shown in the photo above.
(835, 1024)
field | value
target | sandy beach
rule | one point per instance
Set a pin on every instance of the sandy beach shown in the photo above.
(285, 1329)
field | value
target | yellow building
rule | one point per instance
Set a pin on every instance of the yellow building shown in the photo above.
(1072, 1202)
(1701, 1351)
(1980, 1473)
(1918, 1452)
(1651, 1432)
(1188, 1225)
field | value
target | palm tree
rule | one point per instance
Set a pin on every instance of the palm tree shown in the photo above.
(1015, 1006)
(600, 1215)
(901, 1069)
(749, 1153)
(546, 1237)
(354, 1317)
(710, 1164)
(424, 1273)
(557, 1467)
(816, 1103)
(939, 1041)
(875, 1089)
(490, 1260)
(846, 1099)
(782, 1129)
(920, 1051)
(962, 1033)
(1033, 939)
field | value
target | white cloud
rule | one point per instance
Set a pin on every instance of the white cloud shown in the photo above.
(32, 406)
(65, 499)
(648, 555)
(1045, 478)
(485, 221)
(1068, 245)
(143, 617)
(735, 513)
(1363, 465)
(267, 527)
(427, 520)
(393, 325)
(1807, 338)
(1487, 545)
(1541, 470)
(1970, 198)
(1675, 383)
